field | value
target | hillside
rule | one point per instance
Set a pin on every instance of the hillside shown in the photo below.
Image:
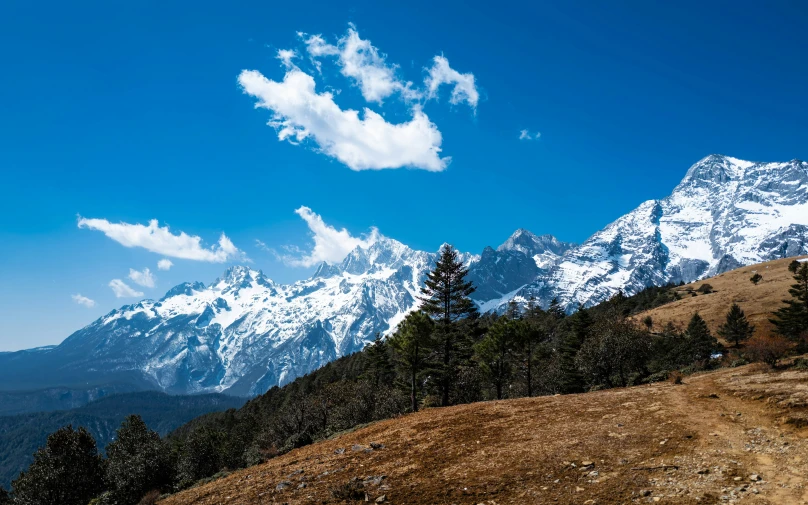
(758, 301)
(21, 435)
(735, 435)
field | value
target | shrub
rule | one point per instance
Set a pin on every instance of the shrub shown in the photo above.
(705, 289)
(676, 377)
(756, 278)
(768, 349)
(793, 266)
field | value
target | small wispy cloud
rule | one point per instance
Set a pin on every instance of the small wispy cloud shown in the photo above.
(123, 290)
(526, 135)
(157, 239)
(142, 278)
(464, 89)
(83, 300)
(164, 264)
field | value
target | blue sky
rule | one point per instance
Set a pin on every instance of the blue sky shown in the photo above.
(126, 112)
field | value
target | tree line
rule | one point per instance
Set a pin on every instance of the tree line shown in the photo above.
(446, 353)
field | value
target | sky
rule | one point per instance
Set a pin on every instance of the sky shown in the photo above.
(185, 137)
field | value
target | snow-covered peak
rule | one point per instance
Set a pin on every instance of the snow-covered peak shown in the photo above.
(528, 243)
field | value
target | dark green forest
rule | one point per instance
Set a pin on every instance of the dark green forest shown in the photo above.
(21, 435)
(444, 354)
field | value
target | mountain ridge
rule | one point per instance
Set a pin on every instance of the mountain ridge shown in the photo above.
(244, 333)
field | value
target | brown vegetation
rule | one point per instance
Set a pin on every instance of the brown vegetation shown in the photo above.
(726, 436)
(758, 301)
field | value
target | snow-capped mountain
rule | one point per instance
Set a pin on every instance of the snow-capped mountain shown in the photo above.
(244, 333)
(724, 214)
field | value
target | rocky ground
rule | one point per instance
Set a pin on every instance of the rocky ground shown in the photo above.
(731, 436)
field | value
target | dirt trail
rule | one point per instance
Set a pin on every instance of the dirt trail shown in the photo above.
(731, 436)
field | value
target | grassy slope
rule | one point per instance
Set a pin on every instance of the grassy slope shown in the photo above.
(758, 302)
(681, 444)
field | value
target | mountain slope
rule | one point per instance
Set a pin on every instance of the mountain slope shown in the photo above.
(719, 434)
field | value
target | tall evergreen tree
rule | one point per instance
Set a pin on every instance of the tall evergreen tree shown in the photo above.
(412, 344)
(737, 327)
(791, 321)
(494, 352)
(446, 299)
(5, 498)
(379, 369)
(530, 335)
(568, 345)
(137, 462)
(67, 471)
(700, 343)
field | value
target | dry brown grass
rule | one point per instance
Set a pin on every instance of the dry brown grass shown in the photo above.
(758, 301)
(722, 437)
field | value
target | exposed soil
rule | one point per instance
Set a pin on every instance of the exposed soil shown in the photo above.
(732, 436)
(758, 301)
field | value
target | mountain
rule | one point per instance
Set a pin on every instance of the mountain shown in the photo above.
(245, 333)
(22, 435)
(725, 213)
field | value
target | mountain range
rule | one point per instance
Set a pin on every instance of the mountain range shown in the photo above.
(244, 333)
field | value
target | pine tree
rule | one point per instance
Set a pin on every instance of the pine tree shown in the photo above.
(570, 343)
(378, 367)
(412, 343)
(5, 499)
(791, 321)
(137, 462)
(793, 266)
(446, 299)
(737, 327)
(67, 471)
(700, 343)
(555, 310)
(530, 335)
(494, 352)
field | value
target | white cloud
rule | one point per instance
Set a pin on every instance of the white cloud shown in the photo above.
(526, 135)
(464, 89)
(123, 290)
(286, 56)
(330, 245)
(144, 278)
(362, 62)
(160, 240)
(369, 143)
(164, 264)
(83, 300)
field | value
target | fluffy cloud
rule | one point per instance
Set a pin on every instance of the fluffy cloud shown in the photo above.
(366, 143)
(526, 135)
(160, 240)
(330, 244)
(83, 300)
(362, 62)
(144, 278)
(464, 90)
(123, 290)
(164, 264)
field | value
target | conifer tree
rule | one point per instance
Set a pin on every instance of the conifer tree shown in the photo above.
(137, 462)
(791, 321)
(5, 498)
(737, 327)
(700, 343)
(379, 369)
(67, 471)
(793, 266)
(446, 299)
(412, 344)
(572, 381)
(555, 310)
(494, 351)
(529, 337)
(756, 278)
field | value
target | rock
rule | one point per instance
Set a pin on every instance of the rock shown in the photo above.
(302, 485)
(341, 450)
(587, 463)
(645, 492)
(754, 477)
(357, 447)
(657, 498)
(376, 445)
(703, 471)
(737, 479)
(381, 499)
(283, 485)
